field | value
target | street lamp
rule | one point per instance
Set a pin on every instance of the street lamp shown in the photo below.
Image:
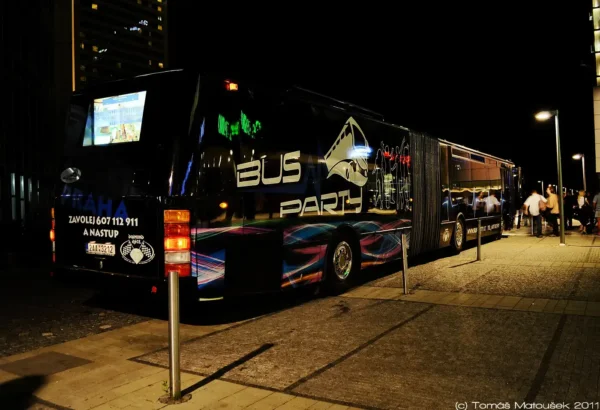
(544, 116)
(542, 182)
(582, 158)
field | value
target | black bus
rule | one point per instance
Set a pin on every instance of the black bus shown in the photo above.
(241, 188)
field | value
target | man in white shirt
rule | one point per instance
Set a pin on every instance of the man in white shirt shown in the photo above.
(492, 205)
(532, 208)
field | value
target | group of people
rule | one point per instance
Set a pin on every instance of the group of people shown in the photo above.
(582, 207)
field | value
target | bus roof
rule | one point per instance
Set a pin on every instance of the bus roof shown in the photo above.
(473, 151)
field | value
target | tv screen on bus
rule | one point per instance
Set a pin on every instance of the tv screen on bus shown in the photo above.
(116, 119)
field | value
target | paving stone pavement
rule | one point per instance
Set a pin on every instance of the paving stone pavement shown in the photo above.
(517, 266)
(505, 329)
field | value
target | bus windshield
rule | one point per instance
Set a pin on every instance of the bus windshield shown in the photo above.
(115, 119)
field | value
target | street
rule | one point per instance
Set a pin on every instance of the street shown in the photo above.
(523, 325)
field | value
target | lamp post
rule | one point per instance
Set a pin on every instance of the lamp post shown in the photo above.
(544, 116)
(582, 158)
(542, 182)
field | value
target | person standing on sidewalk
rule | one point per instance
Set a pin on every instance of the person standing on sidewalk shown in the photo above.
(532, 207)
(552, 209)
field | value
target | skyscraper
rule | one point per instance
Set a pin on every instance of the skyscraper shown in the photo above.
(117, 39)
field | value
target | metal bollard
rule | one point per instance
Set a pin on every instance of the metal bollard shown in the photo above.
(174, 371)
(479, 239)
(404, 263)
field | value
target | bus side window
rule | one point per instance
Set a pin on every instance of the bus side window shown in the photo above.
(464, 197)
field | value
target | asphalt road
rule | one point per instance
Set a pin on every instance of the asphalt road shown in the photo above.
(37, 312)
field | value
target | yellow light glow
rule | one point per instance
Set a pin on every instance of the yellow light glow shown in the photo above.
(160, 27)
(223, 205)
(160, 65)
(94, 6)
(543, 116)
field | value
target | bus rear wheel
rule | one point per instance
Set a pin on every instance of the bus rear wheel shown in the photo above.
(458, 239)
(342, 263)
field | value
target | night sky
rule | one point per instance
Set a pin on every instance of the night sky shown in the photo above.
(472, 75)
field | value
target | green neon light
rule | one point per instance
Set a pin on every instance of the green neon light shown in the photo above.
(224, 127)
(248, 127)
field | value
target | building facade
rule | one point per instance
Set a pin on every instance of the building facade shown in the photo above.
(30, 116)
(117, 39)
(595, 18)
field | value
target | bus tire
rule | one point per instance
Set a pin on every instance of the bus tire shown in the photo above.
(458, 238)
(342, 263)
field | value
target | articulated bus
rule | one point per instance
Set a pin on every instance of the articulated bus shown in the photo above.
(246, 189)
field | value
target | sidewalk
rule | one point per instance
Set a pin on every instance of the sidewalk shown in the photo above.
(95, 373)
(522, 324)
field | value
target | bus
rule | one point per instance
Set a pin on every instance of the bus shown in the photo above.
(242, 188)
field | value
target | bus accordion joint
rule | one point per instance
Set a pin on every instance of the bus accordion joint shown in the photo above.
(177, 242)
(53, 235)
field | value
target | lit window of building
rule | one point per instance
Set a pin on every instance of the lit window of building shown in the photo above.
(83, 78)
(148, 13)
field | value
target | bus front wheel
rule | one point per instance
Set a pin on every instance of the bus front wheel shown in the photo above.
(342, 263)
(458, 240)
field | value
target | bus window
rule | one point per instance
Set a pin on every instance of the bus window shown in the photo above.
(464, 198)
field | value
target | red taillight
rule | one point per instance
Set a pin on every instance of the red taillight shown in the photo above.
(177, 242)
(177, 216)
(177, 230)
(183, 269)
